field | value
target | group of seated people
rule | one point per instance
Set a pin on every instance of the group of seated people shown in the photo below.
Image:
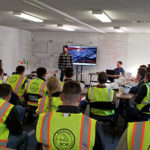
(61, 122)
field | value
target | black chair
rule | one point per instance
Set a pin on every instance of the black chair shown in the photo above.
(145, 113)
(105, 106)
(29, 109)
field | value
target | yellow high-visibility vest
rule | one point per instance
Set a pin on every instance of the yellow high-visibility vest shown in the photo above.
(5, 109)
(64, 131)
(146, 99)
(96, 94)
(16, 81)
(138, 136)
(43, 104)
(36, 86)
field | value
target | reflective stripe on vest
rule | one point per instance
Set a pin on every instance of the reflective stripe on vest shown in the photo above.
(3, 143)
(41, 105)
(144, 102)
(85, 132)
(109, 94)
(18, 84)
(137, 135)
(3, 109)
(27, 87)
(42, 88)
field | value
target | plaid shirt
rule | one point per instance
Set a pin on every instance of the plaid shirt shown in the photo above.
(65, 60)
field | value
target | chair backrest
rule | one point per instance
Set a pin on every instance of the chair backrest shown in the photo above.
(146, 109)
(103, 105)
(32, 97)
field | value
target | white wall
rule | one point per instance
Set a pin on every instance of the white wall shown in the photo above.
(138, 51)
(15, 44)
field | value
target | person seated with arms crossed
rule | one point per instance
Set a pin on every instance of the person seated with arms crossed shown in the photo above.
(135, 137)
(141, 100)
(140, 80)
(11, 132)
(51, 102)
(68, 75)
(68, 128)
(37, 86)
(1, 75)
(17, 82)
(101, 93)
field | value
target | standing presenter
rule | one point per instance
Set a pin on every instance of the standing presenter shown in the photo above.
(65, 60)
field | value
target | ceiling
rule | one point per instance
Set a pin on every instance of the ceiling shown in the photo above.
(77, 13)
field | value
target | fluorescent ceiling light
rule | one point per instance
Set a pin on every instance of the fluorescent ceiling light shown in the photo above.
(102, 16)
(118, 29)
(65, 27)
(28, 17)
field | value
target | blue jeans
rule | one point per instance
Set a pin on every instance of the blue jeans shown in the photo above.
(21, 111)
(18, 142)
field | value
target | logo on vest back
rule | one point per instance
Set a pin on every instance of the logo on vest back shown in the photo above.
(148, 147)
(64, 139)
(34, 87)
(12, 79)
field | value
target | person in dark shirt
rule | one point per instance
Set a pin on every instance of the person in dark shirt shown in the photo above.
(68, 74)
(119, 71)
(17, 138)
(134, 113)
(65, 60)
(140, 77)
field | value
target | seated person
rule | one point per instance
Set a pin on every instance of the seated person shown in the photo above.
(101, 93)
(68, 128)
(18, 81)
(37, 85)
(143, 67)
(135, 137)
(68, 75)
(51, 102)
(142, 99)
(119, 71)
(140, 79)
(11, 133)
(1, 75)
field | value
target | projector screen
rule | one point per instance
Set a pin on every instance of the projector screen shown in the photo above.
(83, 55)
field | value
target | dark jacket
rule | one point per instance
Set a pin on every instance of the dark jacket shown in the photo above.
(135, 90)
(13, 123)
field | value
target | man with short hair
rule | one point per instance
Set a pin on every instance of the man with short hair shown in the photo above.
(68, 75)
(18, 81)
(11, 132)
(68, 128)
(119, 71)
(37, 85)
(140, 78)
(65, 60)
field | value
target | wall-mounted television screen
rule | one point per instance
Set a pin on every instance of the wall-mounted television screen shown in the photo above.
(83, 55)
